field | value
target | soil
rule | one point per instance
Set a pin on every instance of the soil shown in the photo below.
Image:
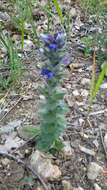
(22, 105)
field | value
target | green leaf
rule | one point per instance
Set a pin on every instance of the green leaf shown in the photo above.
(32, 130)
(59, 94)
(59, 145)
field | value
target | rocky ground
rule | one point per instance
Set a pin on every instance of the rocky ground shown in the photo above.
(82, 164)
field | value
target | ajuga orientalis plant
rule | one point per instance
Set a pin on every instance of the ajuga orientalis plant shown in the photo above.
(52, 120)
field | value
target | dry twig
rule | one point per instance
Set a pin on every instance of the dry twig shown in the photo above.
(101, 136)
(11, 108)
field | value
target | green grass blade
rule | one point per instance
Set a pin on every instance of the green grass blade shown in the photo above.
(100, 79)
(103, 2)
(3, 41)
(59, 11)
(22, 31)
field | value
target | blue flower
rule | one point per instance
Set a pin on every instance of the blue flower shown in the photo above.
(54, 42)
(52, 47)
(48, 73)
(63, 60)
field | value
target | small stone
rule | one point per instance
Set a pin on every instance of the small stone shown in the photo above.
(42, 97)
(103, 86)
(39, 187)
(96, 186)
(67, 150)
(67, 185)
(29, 97)
(23, 132)
(84, 93)
(105, 139)
(94, 170)
(78, 188)
(85, 81)
(12, 141)
(44, 166)
(76, 93)
(73, 12)
(10, 127)
(4, 16)
(28, 44)
(81, 121)
(19, 174)
(5, 161)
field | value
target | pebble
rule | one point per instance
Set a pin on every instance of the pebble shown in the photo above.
(103, 86)
(73, 12)
(105, 140)
(5, 161)
(96, 186)
(67, 151)
(43, 165)
(42, 97)
(78, 188)
(94, 170)
(85, 81)
(84, 93)
(10, 127)
(4, 16)
(11, 141)
(28, 44)
(81, 121)
(66, 185)
(39, 187)
(76, 93)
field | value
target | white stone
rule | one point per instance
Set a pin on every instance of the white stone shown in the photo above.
(84, 93)
(94, 170)
(81, 121)
(78, 188)
(76, 93)
(43, 165)
(96, 186)
(105, 139)
(28, 44)
(67, 150)
(103, 86)
(85, 81)
(42, 97)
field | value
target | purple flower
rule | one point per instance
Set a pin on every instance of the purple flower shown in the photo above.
(46, 38)
(64, 60)
(54, 42)
(48, 73)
